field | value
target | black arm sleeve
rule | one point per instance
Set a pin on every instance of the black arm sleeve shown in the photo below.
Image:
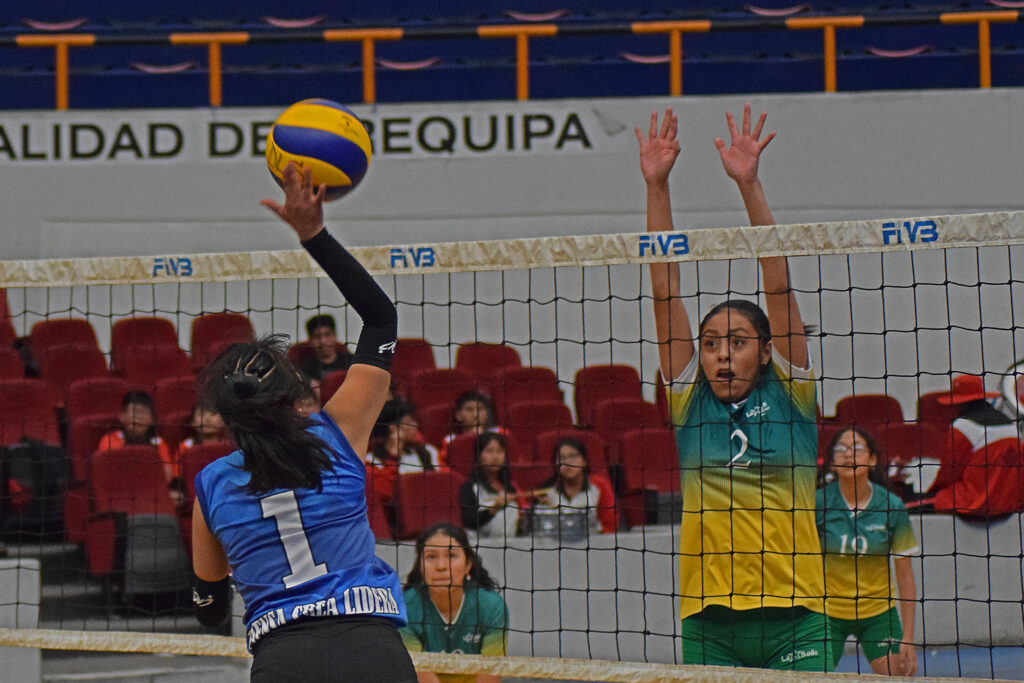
(212, 600)
(380, 319)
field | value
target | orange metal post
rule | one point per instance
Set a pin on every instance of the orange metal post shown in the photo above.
(828, 25)
(60, 42)
(367, 37)
(216, 92)
(675, 30)
(522, 67)
(522, 34)
(830, 59)
(982, 19)
(61, 72)
(213, 41)
(984, 55)
(675, 63)
(369, 72)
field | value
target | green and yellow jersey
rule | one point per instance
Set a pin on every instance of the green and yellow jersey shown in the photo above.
(479, 628)
(857, 546)
(748, 537)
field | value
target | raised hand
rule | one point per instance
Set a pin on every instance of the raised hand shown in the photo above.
(659, 150)
(740, 158)
(303, 206)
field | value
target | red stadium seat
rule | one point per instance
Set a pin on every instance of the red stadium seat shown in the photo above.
(330, 383)
(435, 423)
(11, 366)
(145, 371)
(26, 410)
(125, 483)
(650, 466)
(84, 434)
(613, 416)
(867, 409)
(461, 453)
(486, 361)
(48, 334)
(59, 366)
(526, 419)
(438, 386)
(411, 354)
(650, 460)
(194, 459)
(95, 397)
(521, 384)
(424, 498)
(134, 336)
(214, 332)
(130, 480)
(377, 514)
(930, 411)
(175, 395)
(598, 382)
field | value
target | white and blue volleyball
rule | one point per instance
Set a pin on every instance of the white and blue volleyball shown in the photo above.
(323, 136)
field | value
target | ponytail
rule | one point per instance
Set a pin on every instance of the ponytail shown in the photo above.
(254, 387)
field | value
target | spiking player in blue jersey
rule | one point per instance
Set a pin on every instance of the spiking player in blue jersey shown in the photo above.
(285, 514)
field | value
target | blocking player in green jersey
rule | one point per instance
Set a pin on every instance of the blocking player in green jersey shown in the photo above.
(743, 405)
(452, 603)
(861, 523)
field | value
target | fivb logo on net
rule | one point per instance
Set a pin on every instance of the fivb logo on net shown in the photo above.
(664, 244)
(412, 257)
(894, 232)
(180, 266)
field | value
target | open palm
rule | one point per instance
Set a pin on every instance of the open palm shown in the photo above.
(658, 151)
(741, 156)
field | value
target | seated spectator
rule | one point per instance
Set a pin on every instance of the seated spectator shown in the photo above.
(488, 498)
(207, 426)
(453, 604)
(328, 355)
(980, 476)
(138, 428)
(575, 487)
(473, 412)
(396, 447)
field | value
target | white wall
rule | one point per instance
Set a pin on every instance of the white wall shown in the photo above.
(877, 155)
(859, 155)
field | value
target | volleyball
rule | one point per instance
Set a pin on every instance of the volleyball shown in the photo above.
(323, 136)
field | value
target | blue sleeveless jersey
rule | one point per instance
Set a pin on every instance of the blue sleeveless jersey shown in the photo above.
(298, 553)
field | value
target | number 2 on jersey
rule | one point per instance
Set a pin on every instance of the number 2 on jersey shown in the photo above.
(284, 508)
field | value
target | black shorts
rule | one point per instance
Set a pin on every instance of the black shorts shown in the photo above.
(333, 649)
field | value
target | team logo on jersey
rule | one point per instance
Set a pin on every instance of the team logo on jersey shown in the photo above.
(758, 410)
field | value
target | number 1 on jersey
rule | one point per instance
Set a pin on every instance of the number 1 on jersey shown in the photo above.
(284, 508)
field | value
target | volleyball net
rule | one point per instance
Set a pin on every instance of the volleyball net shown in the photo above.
(559, 334)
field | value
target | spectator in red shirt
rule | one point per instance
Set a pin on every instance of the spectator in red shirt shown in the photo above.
(138, 428)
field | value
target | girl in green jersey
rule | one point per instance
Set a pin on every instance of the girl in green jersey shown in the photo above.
(743, 406)
(452, 603)
(862, 523)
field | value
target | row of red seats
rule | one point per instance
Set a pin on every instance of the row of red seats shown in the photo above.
(647, 464)
(143, 351)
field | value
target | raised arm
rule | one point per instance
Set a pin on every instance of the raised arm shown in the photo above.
(658, 152)
(740, 159)
(357, 403)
